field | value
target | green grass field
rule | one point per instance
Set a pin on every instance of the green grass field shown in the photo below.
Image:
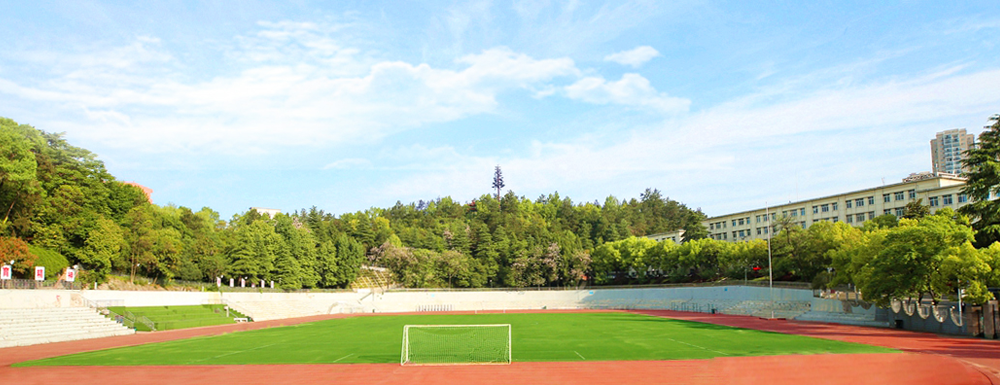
(536, 337)
(180, 317)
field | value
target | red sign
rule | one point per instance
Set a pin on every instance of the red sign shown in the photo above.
(5, 272)
(70, 275)
(39, 273)
(755, 268)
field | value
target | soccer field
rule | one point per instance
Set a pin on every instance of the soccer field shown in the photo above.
(536, 337)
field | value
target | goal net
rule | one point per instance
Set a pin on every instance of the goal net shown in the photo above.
(456, 344)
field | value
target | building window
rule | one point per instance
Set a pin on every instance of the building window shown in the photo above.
(758, 231)
(962, 198)
(849, 218)
(711, 226)
(758, 219)
(899, 196)
(825, 208)
(946, 199)
(871, 215)
(802, 212)
(871, 200)
(913, 194)
(741, 222)
(900, 211)
(741, 233)
(815, 209)
(848, 203)
(885, 198)
(725, 236)
(933, 201)
(765, 230)
(734, 234)
(860, 202)
(886, 211)
(734, 225)
(836, 219)
(833, 206)
(860, 217)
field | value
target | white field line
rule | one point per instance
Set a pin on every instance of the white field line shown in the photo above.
(344, 357)
(230, 353)
(699, 347)
(581, 356)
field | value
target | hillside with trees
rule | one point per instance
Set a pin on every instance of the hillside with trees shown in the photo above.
(62, 208)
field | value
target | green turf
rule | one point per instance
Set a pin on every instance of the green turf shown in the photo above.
(180, 317)
(536, 337)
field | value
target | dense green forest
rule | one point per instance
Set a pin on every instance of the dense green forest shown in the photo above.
(61, 207)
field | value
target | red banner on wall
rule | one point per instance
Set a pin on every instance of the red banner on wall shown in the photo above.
(6, 271)
(39, 273)
(70, 275)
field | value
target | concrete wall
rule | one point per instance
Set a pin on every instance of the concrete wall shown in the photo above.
(408, 301)
(17, 299)
(929, 324)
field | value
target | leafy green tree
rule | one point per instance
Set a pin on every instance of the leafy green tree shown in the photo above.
(104, 246)
(17, 166)
(906, 261)
(916, 210)
(983, 163)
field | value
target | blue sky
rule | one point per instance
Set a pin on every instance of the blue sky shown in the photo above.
(721, 105)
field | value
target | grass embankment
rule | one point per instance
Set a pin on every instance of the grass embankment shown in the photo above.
(180, 317)
(536, 337)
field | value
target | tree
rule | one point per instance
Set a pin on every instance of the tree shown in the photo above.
(15, 249)
(17, 166)
(916, 210)
(983, 163)
(104, 245)
(908, 261)
(498, 181)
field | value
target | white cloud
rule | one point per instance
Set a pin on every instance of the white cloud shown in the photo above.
(349, 163)
(739, 154)
(634, 57)
(631, 90)
(299, 87)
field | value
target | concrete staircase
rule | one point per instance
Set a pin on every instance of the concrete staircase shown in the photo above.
(21, 327)
(842, 318)
(782, 309)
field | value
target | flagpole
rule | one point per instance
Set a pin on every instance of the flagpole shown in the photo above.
(770, 270)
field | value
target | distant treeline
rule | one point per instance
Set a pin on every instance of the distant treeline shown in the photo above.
(61, 206)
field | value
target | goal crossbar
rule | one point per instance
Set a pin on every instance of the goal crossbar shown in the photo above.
(474, 344)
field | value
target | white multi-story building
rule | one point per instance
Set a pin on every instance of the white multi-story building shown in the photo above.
(677, 236)
(856, 207)
(265, 211)
(948, 150)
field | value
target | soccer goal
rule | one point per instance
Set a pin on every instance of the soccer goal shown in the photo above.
(456, 344)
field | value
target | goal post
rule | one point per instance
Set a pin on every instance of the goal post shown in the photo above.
(456, 344)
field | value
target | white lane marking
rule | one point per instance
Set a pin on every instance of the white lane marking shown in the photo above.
(231, 353)
(581, 356)
(344, 357)
(699, 347)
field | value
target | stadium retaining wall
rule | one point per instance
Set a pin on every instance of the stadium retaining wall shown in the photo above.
(415, 300)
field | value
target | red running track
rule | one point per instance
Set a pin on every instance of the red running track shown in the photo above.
(930, 360)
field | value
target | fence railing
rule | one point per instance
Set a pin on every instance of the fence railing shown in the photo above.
(23, 284)
(779, 285)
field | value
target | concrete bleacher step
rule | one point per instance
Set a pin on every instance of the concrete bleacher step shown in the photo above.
(21, 327)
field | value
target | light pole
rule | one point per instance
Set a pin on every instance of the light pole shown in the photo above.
(770, 269)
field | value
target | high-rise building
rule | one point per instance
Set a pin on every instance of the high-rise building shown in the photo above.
(948, 150)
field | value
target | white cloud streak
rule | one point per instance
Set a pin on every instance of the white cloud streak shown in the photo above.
(634, 57)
